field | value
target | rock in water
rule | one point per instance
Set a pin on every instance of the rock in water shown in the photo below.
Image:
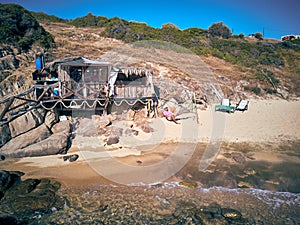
(8, 220)
(24, 198)
(8, 179)
(231, 214)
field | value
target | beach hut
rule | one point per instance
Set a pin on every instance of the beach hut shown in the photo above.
(78, 80)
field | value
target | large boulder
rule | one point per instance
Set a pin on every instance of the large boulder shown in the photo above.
(87, 128)
(26, 122)
(33, 136)
(93, 127)
(50, 119)
(5, 135)
(38, 141)
(62, 127)
(55, 144)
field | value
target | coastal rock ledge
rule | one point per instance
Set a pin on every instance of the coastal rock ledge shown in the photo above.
(20, 199)
(35, 133)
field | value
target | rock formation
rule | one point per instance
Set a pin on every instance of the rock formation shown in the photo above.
(35, 133)
(21, 199)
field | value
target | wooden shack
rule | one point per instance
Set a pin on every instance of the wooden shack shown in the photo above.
(79, 80)
(82, 78)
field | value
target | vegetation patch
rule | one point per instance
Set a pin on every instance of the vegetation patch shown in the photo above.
(19, 28)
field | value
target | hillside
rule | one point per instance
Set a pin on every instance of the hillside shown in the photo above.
(19, 28)
(267, 66)
(20, 33)
(242, 67)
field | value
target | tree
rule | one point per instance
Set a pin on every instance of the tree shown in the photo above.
(219, 30)
(258, 35)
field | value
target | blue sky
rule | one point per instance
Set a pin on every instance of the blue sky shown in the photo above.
(273, 17)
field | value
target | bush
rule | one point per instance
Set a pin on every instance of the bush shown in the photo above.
(19, 28)
(43, 17)
(256, 90)
(266, 75)
(258, 36)
(219, 30)
(270, 91)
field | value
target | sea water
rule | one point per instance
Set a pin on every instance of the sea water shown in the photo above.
(173, 203)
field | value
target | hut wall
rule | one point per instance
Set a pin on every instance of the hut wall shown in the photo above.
(133, 91)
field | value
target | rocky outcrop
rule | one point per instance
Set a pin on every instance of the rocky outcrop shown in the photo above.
(36, 133)
(31, 137)
(21, 199)
(8, 179)
(26, 122)
(55, 144)
(8, 62)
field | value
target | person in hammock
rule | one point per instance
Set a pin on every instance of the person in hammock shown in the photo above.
(169, 116)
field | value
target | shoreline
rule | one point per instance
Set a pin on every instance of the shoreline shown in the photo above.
(266, 125)
(84, 173)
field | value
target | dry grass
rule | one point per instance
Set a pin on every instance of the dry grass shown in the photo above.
(73, 41)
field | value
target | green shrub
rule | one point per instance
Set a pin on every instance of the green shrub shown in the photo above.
(256, 90)
(19, 28)
(219, 30)
(270, 91)
(268, 76)
(43, 17)
(259, 36)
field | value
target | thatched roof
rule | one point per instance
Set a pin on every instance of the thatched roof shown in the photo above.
(129, 71)
(81, 61)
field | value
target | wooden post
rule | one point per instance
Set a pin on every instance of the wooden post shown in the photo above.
(56, 113)
(195, 106)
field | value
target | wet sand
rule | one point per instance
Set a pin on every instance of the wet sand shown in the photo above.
(250, 157)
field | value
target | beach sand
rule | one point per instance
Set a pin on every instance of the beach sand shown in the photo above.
(265, 122)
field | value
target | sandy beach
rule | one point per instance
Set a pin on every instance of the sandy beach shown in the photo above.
(245, 163)
(265, 122)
